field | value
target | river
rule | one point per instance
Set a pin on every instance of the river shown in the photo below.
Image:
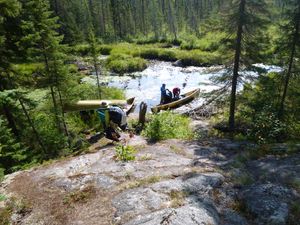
(145, 85)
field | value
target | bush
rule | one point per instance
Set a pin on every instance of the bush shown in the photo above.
(53, 139)
(168, 125)
(267, 127)
(125, 153)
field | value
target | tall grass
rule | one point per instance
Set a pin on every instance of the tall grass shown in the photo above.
(122, 63)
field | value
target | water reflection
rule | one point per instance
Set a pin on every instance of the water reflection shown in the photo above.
(145, 85)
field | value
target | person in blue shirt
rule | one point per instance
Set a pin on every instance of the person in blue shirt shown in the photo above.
(165, 95)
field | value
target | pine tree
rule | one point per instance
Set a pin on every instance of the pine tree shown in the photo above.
(290, 44)
(12, 153)
(93, 51)
(245, 18)
(8, 9)
(40, 28)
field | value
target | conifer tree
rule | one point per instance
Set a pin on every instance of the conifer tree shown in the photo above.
(244, 20)
(40, 28)
(8, 9)
(12, 153)
(93, 51)
(289, 45)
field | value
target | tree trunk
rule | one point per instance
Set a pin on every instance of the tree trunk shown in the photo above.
(236, 64)
(291, 61)
(97, 76)
(142, 113)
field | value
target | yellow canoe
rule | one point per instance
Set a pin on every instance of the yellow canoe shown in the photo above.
(96, 104)
(185, 98)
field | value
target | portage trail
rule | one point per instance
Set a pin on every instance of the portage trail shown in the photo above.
(170, 183)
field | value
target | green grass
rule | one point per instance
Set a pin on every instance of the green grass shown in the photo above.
(129, 57)
(167, 125)
(122, 63)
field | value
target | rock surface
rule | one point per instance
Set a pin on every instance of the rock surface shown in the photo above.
(173, 182)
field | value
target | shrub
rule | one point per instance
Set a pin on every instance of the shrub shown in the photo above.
(266, 127)
(168, 125)
(125, 153)
(52, 138)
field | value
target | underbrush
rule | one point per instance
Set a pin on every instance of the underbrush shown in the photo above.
(211, 41)
(168, 125)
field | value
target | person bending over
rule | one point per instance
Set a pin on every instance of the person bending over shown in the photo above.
(113, 119)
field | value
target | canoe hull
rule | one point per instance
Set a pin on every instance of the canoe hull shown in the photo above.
(96, 104)
(187, 97)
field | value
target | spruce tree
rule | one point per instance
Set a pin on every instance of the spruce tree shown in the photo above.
(40, 27)
(8, 9)
(289, 45)
(244, 19)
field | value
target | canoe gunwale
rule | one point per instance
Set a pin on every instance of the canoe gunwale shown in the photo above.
(96, 104)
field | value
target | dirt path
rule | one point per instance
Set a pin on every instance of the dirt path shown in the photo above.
(171, 182)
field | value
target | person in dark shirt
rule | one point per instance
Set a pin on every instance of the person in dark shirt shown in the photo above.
(166, 95)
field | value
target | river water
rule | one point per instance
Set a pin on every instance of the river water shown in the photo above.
(145, 85)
